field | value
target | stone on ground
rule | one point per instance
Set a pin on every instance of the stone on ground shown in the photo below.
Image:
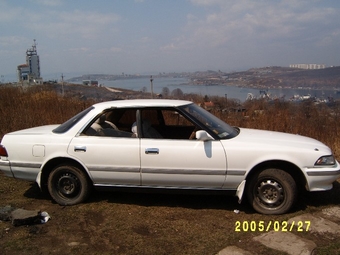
(25, 217)
(317, 224)
(286, 242)
(332, 211)
(5, 212)
(234, 250)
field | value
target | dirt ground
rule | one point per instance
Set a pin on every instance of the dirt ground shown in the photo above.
(121, 222)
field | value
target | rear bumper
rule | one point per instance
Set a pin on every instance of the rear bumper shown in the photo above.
(5, 168)
(19, 170)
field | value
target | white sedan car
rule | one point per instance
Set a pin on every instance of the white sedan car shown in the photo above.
(168, 144)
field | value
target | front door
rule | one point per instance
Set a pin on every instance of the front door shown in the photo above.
(183, 163)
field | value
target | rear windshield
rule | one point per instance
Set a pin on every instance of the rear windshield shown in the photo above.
(71, 122)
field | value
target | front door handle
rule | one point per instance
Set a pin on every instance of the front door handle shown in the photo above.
(80, 148)
(151, 151)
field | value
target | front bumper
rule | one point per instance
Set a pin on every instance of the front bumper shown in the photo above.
(322, 178)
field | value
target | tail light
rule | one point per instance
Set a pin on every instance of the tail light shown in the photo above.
(3, 152)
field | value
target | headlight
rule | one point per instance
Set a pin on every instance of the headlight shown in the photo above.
(325, 160)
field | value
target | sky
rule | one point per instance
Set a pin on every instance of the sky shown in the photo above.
(152, 36)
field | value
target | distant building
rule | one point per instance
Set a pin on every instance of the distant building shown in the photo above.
(30, 72)
(308, 66)
(91, 83)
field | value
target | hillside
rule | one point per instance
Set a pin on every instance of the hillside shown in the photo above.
(275, 77)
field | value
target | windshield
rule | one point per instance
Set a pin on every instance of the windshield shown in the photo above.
(211, 122)
(71, 122)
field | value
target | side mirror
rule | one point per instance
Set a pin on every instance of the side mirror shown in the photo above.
(202, 135)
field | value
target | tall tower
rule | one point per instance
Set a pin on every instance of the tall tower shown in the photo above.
(30, 72)
(32, 60)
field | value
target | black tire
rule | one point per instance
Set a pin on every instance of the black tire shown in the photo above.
(272, 191)
(68, 185)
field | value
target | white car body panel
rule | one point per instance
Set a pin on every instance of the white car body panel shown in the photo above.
(164, 163)
(183, 163)
(109, 161)
(252, 147)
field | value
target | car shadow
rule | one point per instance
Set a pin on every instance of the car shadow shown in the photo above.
(319, 198)
(35, 192)
(170, 198)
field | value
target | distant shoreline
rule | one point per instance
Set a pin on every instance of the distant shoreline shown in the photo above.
(255, 78)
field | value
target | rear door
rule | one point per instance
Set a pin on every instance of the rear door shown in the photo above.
(110, 154)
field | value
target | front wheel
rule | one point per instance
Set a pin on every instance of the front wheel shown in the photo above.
(68, 185)
(272, 191)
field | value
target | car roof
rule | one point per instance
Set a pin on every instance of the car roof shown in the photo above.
(142, 103)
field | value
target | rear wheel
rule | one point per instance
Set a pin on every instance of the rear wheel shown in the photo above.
(272, 191)
(68, 185)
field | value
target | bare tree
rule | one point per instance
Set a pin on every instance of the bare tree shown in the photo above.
(165, 92)
(177, 93)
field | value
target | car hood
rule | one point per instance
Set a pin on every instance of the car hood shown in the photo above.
(273, 139)
(35, 130)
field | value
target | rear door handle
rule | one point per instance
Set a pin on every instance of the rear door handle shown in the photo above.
(80, 148)
(152, 151)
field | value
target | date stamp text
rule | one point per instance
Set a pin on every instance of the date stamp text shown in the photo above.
(263, 226)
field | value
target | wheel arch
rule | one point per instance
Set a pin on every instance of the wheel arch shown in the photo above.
(52, 163)
(286, 166)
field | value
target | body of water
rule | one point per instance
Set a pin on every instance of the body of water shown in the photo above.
(240, 93)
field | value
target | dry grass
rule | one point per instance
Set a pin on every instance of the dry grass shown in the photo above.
(40, 105)
(22, 108)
